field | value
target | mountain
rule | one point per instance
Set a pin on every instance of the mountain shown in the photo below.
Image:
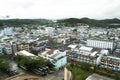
(20, 22)
(70, 22)
(90, 22)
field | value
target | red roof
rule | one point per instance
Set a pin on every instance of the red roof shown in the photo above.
(51, 51)
(41, 52)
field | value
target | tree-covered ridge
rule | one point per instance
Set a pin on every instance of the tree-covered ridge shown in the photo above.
(20, 22)
(91, 22)
(70, 22)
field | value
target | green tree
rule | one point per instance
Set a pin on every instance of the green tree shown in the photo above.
(33, 62)
(4, 65)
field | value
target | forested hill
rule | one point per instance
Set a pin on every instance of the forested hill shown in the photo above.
(91, 22)
(71, 22)
(20, 22)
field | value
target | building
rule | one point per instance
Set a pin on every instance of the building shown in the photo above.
(109, 62)
(49, 30)
(57, 58)
(1, 50)
(24, 53)
(24, 47)
(5, 48)
(14, 48)
(86, 50)
(98, 77)
(104, 44)
(7, 31)
(67, 74)
(8, 49)
(86, 54)
(98, 58)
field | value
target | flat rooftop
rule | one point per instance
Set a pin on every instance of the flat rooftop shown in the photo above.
(98, 77)
(86, 48)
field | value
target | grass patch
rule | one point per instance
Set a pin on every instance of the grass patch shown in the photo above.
(78, 73)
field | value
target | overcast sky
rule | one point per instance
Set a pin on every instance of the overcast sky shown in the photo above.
(57, 9)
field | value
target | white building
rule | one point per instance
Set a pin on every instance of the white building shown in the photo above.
(7, 31)
(24, 53)
(49, 30)
(86, 50)
(59, 59)
(100, 44)
(110, 62)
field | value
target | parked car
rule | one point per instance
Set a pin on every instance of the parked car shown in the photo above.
(12, 72)
(40, 71)
(43, 69)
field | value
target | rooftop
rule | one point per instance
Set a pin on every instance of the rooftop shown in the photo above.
(51, 51)
(86, 48)
(97, 77)
(25, 53)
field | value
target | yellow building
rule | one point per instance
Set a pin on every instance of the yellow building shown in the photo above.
(24, 47)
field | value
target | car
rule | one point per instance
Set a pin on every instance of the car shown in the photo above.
(12, 72)
(39, 71)
(43, 69)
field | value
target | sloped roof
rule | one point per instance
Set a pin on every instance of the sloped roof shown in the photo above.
(51, 51)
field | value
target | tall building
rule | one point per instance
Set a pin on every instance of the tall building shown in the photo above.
(14, 48)
(104, 44)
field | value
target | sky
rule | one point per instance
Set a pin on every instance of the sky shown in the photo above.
(58, 9)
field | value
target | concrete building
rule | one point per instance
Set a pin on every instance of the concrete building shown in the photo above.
(99, 58)
(110, 62)
(104, 44)
(7, 31)
(8, 49)
(14, 48)
(84, 55)
(24, 47)
(1, 50)
(59, 59)
(86, 50)
(24, 53)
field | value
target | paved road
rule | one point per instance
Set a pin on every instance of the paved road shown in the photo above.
(59, 75)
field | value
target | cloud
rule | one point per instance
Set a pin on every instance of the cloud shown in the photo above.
(53, 9)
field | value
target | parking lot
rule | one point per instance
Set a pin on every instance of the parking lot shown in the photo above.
(58, 75)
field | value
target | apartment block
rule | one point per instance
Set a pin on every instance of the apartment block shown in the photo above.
(104, 44)
(110, 62)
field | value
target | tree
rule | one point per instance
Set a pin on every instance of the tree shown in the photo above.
(4, 65)
(33, 62)
(49, 64)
